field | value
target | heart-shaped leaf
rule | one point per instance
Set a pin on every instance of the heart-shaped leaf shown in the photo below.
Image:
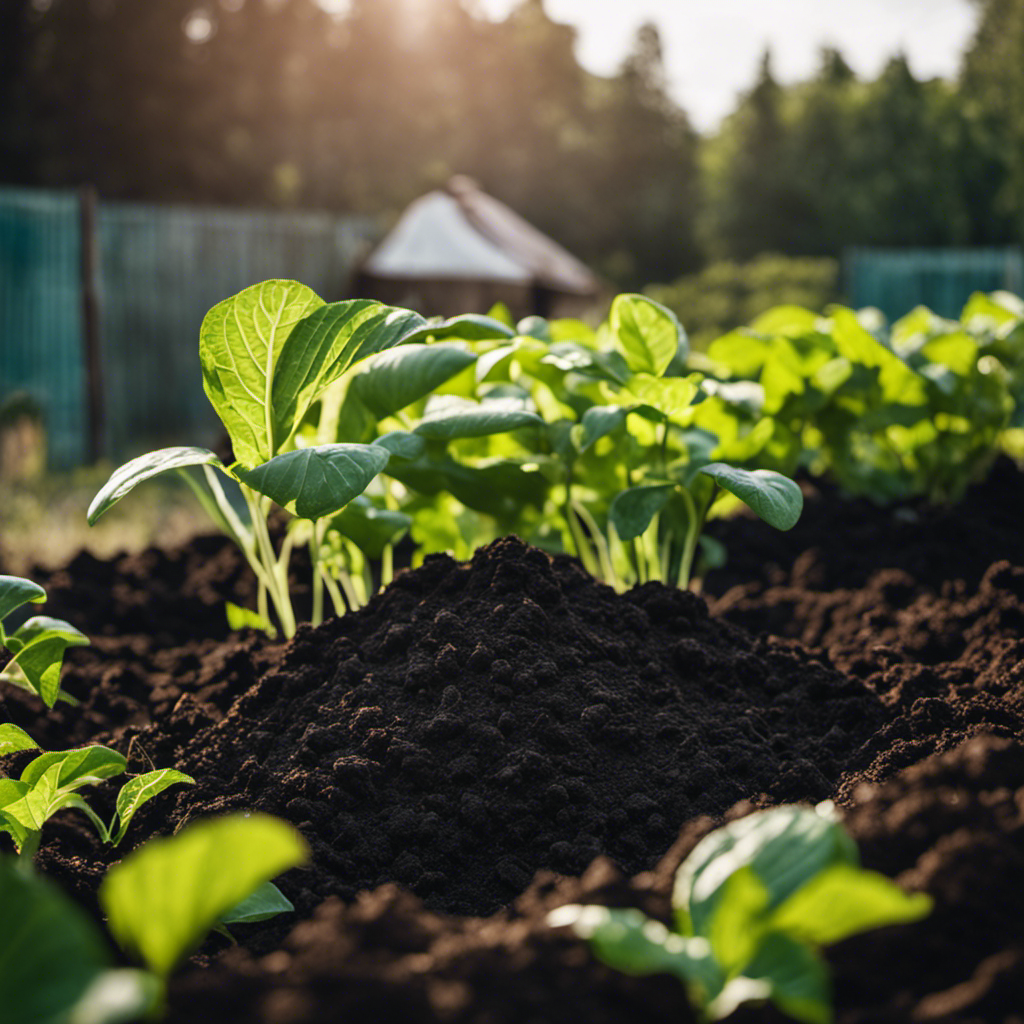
(317, 482)
(133, 473)
(774, 497)
(78, 767)
(162, 899)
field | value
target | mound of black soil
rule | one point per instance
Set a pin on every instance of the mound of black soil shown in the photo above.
(479, 722)
(952, 826)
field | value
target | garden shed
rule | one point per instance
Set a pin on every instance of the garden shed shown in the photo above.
(458, 250)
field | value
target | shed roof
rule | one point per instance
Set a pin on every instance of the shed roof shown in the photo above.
(463, 233)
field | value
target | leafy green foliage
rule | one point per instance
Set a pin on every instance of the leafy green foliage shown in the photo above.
(50, 783)
(162, 899)
(54, 965)
(753, 902)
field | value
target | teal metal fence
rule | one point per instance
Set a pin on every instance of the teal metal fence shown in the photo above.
(160, 269)
(897, 280)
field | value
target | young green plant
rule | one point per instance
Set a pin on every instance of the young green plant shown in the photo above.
(754, 901)
(268, 355)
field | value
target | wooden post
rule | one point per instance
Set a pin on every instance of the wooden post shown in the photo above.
(87, 202)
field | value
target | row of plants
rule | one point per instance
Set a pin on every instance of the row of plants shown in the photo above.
(367, 423)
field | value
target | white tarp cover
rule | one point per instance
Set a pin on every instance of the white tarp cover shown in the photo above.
(465, 233)
(433, 239)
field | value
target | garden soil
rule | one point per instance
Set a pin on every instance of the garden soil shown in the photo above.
(485, 742)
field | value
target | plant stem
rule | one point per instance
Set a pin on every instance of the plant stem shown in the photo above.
(690, 543)
(604, 554)
(318, 575)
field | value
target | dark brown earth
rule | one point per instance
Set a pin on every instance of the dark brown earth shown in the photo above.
(478, 724)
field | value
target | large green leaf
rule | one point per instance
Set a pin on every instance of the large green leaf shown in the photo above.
(162, 899)
(54, 962)
(796, 976)
(402, 444)
(647, 333)
(447, 419)
(240, 343)
(404, 375)
(632, 510)
(669, 395)
(774, 497)
(39, 647)
(317, 482)
(785, 846)
(843, 900)
(133, 473)
(14, 592)
(140, 790)
(599, 421)
(322, 347)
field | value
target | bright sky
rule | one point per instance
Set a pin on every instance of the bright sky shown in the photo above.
(712, 46)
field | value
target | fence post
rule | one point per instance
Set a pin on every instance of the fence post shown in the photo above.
(89, 266)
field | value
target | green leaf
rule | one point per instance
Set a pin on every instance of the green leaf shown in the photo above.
(599, 421)
(786, 847)
(402, 444)
(738, 920)
(449, 418)
(266, 902)
(774, 497)
(635, 944)
(50, 951)
(13, 739)
(240, 342)
(669, 395)
(133, 473)
(240, 618)
(843, 900)
(79, 767)
(38, 648)
(14, 592)
(404, 375)
(797, 977)
(468, 327)
(647, 333)
(120, 996)
(162, 899)
(632, 510)
(316, 482)
(140, 790)
(370, 528)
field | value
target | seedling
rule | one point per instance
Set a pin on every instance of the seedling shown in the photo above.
(51, 781)
(268, 354)
(37, 647)
(753, 903)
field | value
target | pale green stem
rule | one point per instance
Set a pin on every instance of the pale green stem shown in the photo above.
(387, 565)
(608, 573)
(279, 596)
(318, 575)
(690, 543)
(584, 550)
(336, 599)
(651, 553)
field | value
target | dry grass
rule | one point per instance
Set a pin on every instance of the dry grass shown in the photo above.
(44, 522)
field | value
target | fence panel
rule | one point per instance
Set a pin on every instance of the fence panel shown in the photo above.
(41, 315)
(897, 280)
(160, 268)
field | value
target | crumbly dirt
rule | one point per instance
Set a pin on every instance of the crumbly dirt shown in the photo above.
(459, 753)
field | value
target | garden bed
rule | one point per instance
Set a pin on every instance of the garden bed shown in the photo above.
(479, 744)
